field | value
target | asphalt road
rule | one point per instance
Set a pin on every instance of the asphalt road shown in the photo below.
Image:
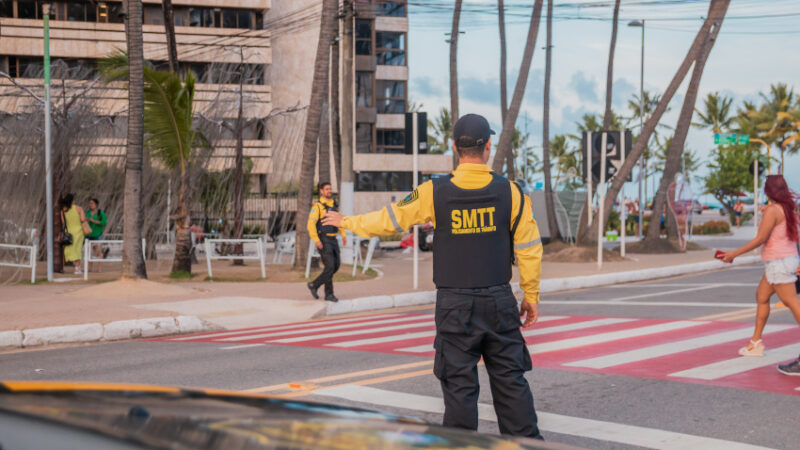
(646, 365)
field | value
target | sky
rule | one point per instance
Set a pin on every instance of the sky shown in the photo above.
(758, 45)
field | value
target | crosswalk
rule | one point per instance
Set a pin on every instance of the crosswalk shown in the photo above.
(694, 351)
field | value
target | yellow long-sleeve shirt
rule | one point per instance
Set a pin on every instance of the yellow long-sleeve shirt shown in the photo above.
(417, 209)
(316, 214)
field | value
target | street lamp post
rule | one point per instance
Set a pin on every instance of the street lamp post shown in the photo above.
(642, 170)
(47, 148)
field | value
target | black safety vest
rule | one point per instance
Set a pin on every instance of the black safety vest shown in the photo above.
(324, 230)
(473, 242)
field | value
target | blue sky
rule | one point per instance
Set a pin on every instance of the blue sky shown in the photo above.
(751, 53)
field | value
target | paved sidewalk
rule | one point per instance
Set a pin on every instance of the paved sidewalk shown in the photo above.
(243, 304)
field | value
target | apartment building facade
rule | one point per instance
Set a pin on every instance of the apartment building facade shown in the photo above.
(216, 40)
(382, 165)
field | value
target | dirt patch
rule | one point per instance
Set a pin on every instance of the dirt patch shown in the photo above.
(662, 246)
(566, 253)
(130, 289)
(283, 273)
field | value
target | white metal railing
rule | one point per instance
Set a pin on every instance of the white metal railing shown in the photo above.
(31, 257)
(88, 255)
(355, 244)
(210, 254)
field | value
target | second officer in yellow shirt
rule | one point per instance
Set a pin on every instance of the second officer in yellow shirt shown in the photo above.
(481, 221)
(324, 237)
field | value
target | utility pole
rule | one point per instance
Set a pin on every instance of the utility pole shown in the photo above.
(347, 115)
(47, 144)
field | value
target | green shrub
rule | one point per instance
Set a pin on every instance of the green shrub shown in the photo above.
(712, 227)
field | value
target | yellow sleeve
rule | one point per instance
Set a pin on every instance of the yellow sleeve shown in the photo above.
(415, 209)
(313, 217)
(343, 232)
(527, 247)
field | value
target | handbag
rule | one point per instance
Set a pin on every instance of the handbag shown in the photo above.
(87, 230)
(65, 237)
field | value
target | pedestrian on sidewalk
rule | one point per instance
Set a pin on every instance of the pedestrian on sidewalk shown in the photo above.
(97, 222)
(324, 237)
(74, 221)
(778, 237)
(480, 221)
(738, 210)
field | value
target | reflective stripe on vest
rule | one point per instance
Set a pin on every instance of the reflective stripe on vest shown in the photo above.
(472, 239)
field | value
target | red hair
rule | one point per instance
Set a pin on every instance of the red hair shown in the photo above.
(778, 191)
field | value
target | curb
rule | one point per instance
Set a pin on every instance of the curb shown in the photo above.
(552, 285)
(112, 331)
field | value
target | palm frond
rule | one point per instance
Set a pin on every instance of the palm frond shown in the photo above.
(115, 66)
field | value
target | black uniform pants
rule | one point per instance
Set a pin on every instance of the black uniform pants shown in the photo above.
(475, 323)
(331, 261)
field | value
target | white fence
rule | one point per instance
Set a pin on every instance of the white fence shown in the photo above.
(355, 244)
(14, 251)
(89, 257)
(211, 254)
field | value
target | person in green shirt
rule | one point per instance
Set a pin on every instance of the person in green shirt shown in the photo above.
(97, 222)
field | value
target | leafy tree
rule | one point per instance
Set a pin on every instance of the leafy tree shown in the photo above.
(440, 132)
(729, 174)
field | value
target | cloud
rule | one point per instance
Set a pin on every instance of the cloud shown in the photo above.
(480, 91)
(623, 91)
(585, 87)
(422, 87)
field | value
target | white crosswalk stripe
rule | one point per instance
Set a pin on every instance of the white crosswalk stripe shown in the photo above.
(655, 351)
(329, 328)
(738, 365)
(564, 344)
(315, 337)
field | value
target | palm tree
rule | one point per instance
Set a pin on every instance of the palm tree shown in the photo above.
(716, 113)
(548, 186)
(441, 132)
(776, 125)
(501, 20)
(454, 70)
(169, 30)
(170, 136)
(133, 265)
(610, 74)
(716, 11)
(504, 144)
(566, 157)
(674, 155)
(306, 179)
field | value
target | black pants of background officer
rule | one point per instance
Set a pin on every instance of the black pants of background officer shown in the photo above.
(331, 260)
(471, 323)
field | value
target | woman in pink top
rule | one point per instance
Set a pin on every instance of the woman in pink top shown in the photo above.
(779, 235)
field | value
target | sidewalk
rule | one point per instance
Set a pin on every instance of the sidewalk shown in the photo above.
(192, 306)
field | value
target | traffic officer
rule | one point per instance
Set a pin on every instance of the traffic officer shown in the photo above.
(324, 237)
(481, 220)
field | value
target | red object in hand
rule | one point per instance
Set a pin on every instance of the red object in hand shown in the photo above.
(720, 254)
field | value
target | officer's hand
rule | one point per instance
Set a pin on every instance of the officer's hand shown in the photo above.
(344, 241)
(530, 311)
(318, 244)
(332, 218)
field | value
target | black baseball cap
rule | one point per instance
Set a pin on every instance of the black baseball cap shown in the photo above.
(471, 130)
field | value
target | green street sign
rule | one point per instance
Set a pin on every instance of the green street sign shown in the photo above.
(731, 138)
(744, 139)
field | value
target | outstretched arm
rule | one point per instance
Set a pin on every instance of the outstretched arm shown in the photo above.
(771, 218)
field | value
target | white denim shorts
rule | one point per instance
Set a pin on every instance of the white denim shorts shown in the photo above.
(782, 271)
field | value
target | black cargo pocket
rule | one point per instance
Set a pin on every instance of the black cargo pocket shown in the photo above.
(527, 364)
(438, 360)
(507, 313)
(453, 313)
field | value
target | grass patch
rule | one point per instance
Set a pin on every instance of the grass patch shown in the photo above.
(182, 275)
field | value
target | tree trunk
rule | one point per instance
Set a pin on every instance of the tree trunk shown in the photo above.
(552, 224)
(324, 159)
(304, 196)
(133, 265)
(504, 145)
(238, 188)
(183, 237)
(501, 18)
(169, 30)
(675, 151)
(336, 137)
(454, 72)
(716, 10)
(610, 74)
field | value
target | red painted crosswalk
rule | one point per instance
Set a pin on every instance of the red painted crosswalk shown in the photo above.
(703, 352)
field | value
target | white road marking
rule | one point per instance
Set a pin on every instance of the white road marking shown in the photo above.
(656, 351)
(314, 337)
(617, 303)
(575, 326)
(416, 317)
(739, 365)
(548, 422)
(237, 347)
(631, 286)
(273, 328)
(406, 336)
(563, 344)
(662, 293)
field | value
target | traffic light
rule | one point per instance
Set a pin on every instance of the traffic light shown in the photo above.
(615, 154)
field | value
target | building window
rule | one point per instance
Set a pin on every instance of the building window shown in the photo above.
(28, 9)
(390, 48)
(364, 89)
(386, 181)
(154, 15)
(363, 37)
(390, 141)
(201, 17)
(391, 97)
(392, 8)
(6, 8)
(363, 138)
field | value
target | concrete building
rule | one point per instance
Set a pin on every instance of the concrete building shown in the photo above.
(382, 166)
(210, 34)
